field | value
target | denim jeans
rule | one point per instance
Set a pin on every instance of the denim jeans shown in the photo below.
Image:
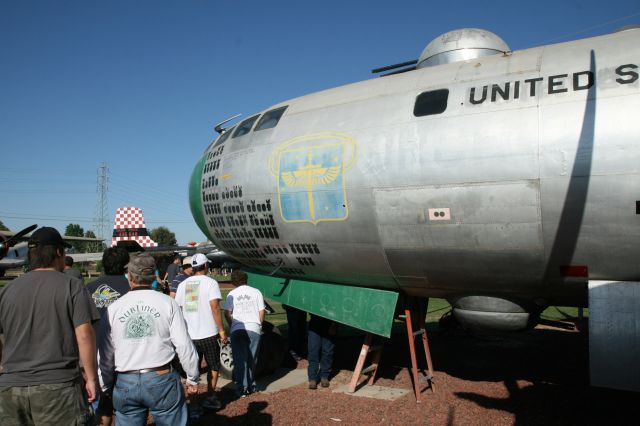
(162, 394)
(244, 345)
(297, 323)
(320, 354)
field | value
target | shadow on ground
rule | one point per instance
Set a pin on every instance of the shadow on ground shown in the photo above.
(545, 372)
(254, 415)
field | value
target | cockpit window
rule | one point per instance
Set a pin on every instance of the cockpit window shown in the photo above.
(270, 119)
(224, 136)
(245, 126)
(430, 103)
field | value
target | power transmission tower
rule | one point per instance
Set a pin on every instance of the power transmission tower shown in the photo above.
(101, 221)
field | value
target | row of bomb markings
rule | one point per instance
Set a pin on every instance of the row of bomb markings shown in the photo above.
(237, 224)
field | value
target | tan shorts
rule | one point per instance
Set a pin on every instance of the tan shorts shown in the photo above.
(49, 404)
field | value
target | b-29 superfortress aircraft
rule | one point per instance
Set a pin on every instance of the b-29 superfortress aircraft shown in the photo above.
(504, 181)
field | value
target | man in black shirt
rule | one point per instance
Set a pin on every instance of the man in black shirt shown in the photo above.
(46, 317)
(172, 270)
(114, 284)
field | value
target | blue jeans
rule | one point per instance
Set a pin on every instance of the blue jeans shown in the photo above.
(162, 394)
(320, 354)
(244, 345)
(297, 322)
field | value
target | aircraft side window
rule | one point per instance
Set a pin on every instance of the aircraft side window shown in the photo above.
(223, 137)
(430, 103)
(270, 119)
(245, 126)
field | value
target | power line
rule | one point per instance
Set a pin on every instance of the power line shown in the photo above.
(162, 221)
(47, 218)
(156, 195)
(42, 191)
(44, 172)
(139, 200)
(144, 194)
(593, 27)
(31, 179)
(165, 195)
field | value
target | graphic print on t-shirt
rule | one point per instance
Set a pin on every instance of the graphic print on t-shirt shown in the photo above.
(104, 296)
(244, 305)
(191, 293)
(139, 325)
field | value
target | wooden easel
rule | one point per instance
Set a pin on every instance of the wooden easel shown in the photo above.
(415, 317)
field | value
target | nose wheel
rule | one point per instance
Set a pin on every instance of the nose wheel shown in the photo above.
(226, 360)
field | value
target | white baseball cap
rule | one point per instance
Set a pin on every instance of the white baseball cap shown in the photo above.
(199, 259)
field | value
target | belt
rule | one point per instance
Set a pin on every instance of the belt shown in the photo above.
(165, 367)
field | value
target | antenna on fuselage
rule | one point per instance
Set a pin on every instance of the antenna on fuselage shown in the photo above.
(221, 129)
(409, 64)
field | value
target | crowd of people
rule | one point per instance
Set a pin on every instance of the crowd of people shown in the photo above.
(76, 354)
(51, 323)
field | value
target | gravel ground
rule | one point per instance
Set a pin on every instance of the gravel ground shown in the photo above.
(539, 377)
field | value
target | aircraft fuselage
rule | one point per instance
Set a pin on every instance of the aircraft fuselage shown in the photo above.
(514, 175)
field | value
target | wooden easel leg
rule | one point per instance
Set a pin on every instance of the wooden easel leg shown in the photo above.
(360, 364)
(375, 362)
(412, 350)
(427, 351)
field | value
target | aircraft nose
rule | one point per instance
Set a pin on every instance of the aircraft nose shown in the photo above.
(198, 194)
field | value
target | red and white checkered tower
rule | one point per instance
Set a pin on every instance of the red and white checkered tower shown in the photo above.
(129, 226)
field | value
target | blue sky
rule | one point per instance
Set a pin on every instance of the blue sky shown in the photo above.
(140, 84)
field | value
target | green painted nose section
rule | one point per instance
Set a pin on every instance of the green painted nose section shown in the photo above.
(195, 196)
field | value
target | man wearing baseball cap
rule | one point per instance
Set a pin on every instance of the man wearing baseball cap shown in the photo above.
(139, 337)
(199, 297)
(173, 269)
(46, 316)
(187, 271)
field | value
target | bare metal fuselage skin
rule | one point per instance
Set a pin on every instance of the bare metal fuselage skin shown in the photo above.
(525, 187)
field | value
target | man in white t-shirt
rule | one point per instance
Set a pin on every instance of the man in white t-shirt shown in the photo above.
(140, 335)
(244, 310)
(199, 297)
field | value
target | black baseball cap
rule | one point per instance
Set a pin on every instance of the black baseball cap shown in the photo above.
(47, 236)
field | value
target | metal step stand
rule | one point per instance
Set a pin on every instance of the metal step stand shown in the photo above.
(367, 348)
(415, 317)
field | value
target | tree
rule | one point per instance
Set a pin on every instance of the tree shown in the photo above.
(75, 230)
(2, 227)
(163, 236)
(93, 247)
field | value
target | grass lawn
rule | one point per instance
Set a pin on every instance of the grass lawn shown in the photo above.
(563, 313)
(222, 278)
(437, 308)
